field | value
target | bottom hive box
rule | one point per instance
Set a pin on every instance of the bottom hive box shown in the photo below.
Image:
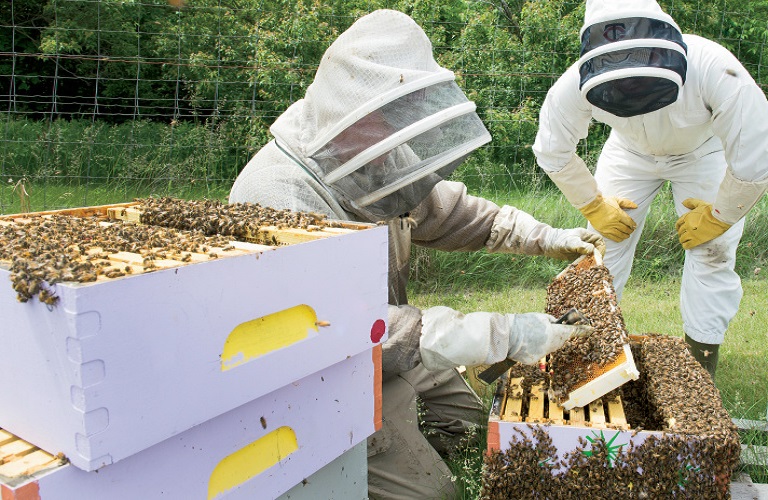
(665, 435)
(259, 450)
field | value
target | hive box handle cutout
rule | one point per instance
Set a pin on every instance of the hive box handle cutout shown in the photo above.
(251, 460)
(268, 333)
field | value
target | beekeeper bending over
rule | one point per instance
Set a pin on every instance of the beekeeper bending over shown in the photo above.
(376, 134)
(682, 110)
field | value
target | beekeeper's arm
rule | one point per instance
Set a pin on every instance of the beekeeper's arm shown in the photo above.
(563, 122)
(442, 338)
(740, 119)
(450, 219)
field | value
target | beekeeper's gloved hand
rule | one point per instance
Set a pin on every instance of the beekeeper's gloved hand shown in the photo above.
(516, 231)
(568, 244)
(450, 338)
(607, 216)
(699, 225)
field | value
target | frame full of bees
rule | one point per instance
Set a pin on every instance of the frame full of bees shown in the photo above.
(118, 334)
(665, 435)
(259, 450)
(587, 368)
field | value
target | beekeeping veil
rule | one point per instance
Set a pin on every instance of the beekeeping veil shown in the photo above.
(633, 59)
(382, 122)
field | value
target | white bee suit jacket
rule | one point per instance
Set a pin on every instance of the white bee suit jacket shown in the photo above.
(711, 144)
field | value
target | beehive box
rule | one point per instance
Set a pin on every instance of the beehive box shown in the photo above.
(665, 435)
(118, 365)
(259, 450)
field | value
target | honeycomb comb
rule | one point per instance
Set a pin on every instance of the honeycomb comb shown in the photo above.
(585, 369)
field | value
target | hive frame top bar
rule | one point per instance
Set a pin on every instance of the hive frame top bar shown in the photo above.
(617, 375)
(103, 211)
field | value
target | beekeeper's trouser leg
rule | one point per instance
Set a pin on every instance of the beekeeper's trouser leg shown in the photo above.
(450, 411)
(402, 464)
(710, 292)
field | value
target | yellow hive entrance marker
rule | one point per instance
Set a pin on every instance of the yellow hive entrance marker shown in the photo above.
(252, 460)
(266, 334)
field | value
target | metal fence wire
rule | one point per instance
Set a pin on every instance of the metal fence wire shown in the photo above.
(106, 100)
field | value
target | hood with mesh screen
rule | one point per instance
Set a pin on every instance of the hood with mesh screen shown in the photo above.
(382, 122)
(633, 58)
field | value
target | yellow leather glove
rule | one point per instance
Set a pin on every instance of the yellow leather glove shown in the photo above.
(699, 225)
(607, 215)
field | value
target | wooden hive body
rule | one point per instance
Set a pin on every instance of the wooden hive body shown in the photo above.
(639, 441)
(259, 450)
(119, 365)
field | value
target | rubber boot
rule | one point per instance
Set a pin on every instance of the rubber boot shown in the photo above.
(705, 354)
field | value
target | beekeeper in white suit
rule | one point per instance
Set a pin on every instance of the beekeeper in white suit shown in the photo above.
(376, 134)
(683, 110)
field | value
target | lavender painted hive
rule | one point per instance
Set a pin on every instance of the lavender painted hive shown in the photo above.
(102, 369)
(259, 450)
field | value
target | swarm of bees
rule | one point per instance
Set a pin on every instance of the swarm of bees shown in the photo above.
(588, 287)
(238, 220)
(693, 456)
(43, 250)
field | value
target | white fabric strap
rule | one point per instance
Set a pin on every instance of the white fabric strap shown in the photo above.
(576, 182)
(736, 197)
(630, 44)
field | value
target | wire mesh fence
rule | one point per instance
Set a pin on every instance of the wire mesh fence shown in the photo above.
(106, 100)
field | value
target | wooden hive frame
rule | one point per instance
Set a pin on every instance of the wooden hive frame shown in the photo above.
(531, 403)
(266, 235)
(137, 263)
(599, 379)
(19, 459)
(266, 238)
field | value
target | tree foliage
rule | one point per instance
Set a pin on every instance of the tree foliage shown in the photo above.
(232, 66)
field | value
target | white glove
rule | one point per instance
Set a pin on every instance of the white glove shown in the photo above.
(450, 338)
(568, 244)
(533, 335)
(515, 231)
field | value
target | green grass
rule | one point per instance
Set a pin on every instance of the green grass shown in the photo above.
(57, 195)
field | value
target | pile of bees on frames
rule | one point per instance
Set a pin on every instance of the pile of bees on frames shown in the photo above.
(587, 287)
(238, 220)
(45, 250)
(693, 455)
(696, 451)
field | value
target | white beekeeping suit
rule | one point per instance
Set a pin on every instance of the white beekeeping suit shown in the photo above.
(683, 110)
(378, 130)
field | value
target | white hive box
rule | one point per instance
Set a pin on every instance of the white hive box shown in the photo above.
(117, 366)
(259, 450)
(684, 443)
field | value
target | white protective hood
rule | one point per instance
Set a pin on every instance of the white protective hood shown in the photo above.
(382, 122)
(633, 58)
